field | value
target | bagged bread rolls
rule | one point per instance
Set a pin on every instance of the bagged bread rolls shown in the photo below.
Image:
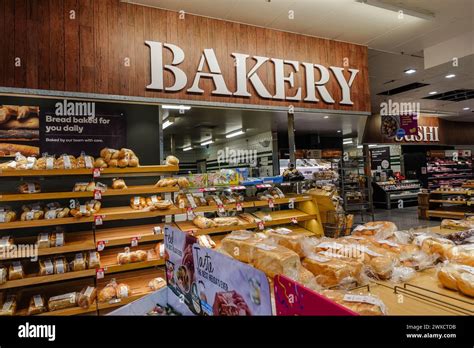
(15, 271)
(60, 265)
(8, 308)
(29, 187)
(434, 245)
(374, 227)
(46, 267)
(463, 254)
(172, 160)
(32, 215)
(466, 284)
(203, 222)
(156, 283)
(63, 301)
(65, 162)
(109, 292)
(78, 263)
(88, 209)
(86, 297)
(7, 216)
(100, 163)
(138, 203)
(37, 305)
(84, 161)
(118, 184)
(93, 259)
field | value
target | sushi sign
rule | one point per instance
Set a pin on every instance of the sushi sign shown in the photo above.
(315, 77)
(426, 134)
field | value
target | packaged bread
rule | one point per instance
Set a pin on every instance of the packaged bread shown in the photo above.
(362, 304)
(46, 267)
(172, 160)
(3, 274)
(55, 211)
(43, 240)
(85, 161)
(248, 218)
(203, 222)
(60, 265)
(331, 272)
(152, 200)
(88, 209)
(457, 277)
(7, 216)
(156, 283)
(166, 182)
(29, 187)
(138, 202)
(183, 182)
(93, 259)
(84, 187)
(463, 254)
(382, 267)
(32, 215)
(15, 271)
(432, 244)
(240, 244)
(287, 238)
(57, 239)
(275, 259)
(108, 154)
(46, 162)
(123, 290)
(109, 292)
(226, 221)
(206, 241)
(374, 227)
(306, 278)
(37, 305)
(63, 301)
(9, 306)
(118, 184)
(126, 257)
(466, 284)
(78, 263)
(65, 162)
(141, 255)
(457, 224)
(163, 204)
(6, 242)
(86, 297)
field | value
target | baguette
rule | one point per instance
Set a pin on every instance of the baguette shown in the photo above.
(25, 150)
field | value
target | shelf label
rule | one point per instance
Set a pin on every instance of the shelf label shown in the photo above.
(238, 206)
(101, 245)
(99, 220)
(134, 241)
(220, 208)
(99, 273)
(210, 189)
(190, 213)
(96, 172)
(291, 203)
(260, 225)
(270, 203)
(97, 194)
(263, 186)
(237, 188)
(294, 220)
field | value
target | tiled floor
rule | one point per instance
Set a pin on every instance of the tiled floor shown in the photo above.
(404, 218)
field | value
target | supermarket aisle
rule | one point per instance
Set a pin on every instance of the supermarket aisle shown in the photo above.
(404, 218)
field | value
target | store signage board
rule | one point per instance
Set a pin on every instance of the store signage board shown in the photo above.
(380, 157)
(180, 274)
(292, 298)
(229, 287)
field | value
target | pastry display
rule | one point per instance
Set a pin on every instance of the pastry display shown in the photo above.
(63, 301)
(29, 187)
(86, 297)
(118, 184)
(37, 305)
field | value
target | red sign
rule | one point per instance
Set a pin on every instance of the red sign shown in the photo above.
(96, 172)
(292, 298)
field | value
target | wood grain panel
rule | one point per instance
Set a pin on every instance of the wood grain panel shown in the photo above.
(87, 55)
(2, 43)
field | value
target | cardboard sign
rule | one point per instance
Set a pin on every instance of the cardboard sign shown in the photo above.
(229, 287)
(292, 298)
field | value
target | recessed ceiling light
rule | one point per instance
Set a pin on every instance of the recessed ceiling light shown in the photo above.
(187, 148)
(326, 116)
(234, 134)
(207, 142)
(176, 107)
(466, 109)
(450, 76)
(431, 93)
(339, 131)
(410, 71)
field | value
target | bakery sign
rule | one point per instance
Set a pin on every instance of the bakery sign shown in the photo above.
(315, 77)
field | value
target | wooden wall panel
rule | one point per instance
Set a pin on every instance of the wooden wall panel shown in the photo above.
(88, 54)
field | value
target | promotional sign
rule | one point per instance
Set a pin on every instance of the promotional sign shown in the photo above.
(292, 298)
(380, 157)
(180, 274)
(75, 127)
(229, 287)
(409, 124)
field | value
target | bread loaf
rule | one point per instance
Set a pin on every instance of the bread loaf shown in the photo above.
(331, 271)
(172, 160)
(63, 301)
(86, 297)
(463, 254)
(118, 184)
(8, 307)
(15, 271)
(275, 259)
(375, 227)
(203, 222)
(46, 267)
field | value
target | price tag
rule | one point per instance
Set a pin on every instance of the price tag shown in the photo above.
(237, 188)
(294, 221)
(98, 194)
(202, 189)
(190, 213)
(101, 245)
(99, 220)
(191, 232)
(260, 225)
(238, 206)
(291, 203)
(134, 241)
(99, 273)
(210, 189)
(220, 208)
(270, 203)
(96, 172)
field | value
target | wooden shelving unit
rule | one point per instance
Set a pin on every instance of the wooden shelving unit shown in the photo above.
(441, 207)
(124, 235)
(36, 280)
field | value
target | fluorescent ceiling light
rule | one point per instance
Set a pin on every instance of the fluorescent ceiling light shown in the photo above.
(187, 148)
(410, 71)
(372, 145)
(234, 134)
(339, 131)
(347, 141)
(168, 122)
(207, 142)
(432, 93)
(176, 107)
(360, 146)
(423, 14)
(450, 76)
(465, 109)
(326, 116)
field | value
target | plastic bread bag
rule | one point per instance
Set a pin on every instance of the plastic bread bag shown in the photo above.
(8, 307)
(463, 254)
(363, 304)
(85, 161)
(37, 305)
(156, 283)
(418, 260)
(108, 292)
(87, 297)
(372, 228)
(29, 187)
(93, 259)
(3, 274)
(273, 259)
(46, 162)
(78, 263)
(7, 216)
(433, 244)
(287, 238)
(462, 237)
(46, 267)
(123, 290)
(6, 242)
(65, 162)
(402, 274)
(15, 271)
(138, 202)
(63, 301)
(240, 244)
(124, 257)
(43, 240)
(457, 277)
(57, 238)
(381, 267)
(60, 265)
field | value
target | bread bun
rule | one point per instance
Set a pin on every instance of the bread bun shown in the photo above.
(172, 160)
(183, 182)
(448, 277)
(465, 284)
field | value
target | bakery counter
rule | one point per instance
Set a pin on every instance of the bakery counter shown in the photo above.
(152, 169)
(75, 242)
(125, 235)
(131, 190)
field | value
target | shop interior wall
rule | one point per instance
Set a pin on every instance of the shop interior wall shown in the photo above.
(307, 142)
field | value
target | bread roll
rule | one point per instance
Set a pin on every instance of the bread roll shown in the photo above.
(463, 254)
(172, 160)
(465, 284)
(118, 184)
(448, 275)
